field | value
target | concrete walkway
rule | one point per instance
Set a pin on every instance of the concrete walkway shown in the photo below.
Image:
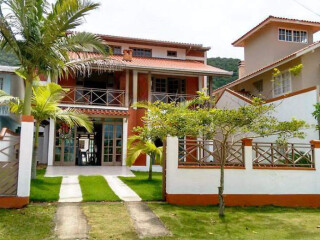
(70, 190)
(145, 221)
(121, 189)
(70, 221)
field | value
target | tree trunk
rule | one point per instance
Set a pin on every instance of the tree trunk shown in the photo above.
(150, 167)
(221, 187)
(27, 97)
(35, 152)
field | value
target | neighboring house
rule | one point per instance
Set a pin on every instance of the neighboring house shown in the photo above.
(283, 44)
(140, 70)
(11, 83)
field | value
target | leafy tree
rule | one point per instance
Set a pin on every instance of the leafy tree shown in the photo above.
(225, 126)
(36, 33)
(44, 101)
(140, 144)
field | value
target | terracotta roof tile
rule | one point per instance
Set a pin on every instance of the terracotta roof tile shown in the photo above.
(106, 112)
(163, 64)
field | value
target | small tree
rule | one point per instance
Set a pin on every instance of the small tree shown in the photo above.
(44, 102)
(225, 126)
(139, 144)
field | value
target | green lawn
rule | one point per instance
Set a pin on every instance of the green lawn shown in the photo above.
(33, 222)
(240, 223)
(109, 221)
(96, 188)
(147, 190)
(45, 189)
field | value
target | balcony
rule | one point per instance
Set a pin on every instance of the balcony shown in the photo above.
(171, 97)
(95, 97)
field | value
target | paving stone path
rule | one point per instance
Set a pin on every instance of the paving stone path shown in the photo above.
(121, 189)
(70, 221)
(147, 224)
(70, 190)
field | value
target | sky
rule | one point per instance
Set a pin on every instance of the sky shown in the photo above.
(213, 23)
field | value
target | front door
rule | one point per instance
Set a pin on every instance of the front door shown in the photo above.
(112, 144)
(65, 145)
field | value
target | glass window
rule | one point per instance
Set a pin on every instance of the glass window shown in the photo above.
(258, 85)
(288, 35)
(296, 36)
(172, 53)
(282, 84)
(282, 34)
(141, 52)
(1, 83)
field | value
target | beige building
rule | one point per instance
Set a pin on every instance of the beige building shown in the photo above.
(277, 43)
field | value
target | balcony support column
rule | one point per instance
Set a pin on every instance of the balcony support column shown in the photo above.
(135, 87)
(210, 78)
(200, 86)
(127, 88)
(149, 86)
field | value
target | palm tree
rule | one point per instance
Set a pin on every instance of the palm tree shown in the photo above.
(44, 102)
(139, 145)
(39, 35)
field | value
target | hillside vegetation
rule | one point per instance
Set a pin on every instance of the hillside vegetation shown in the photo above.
(229, 64)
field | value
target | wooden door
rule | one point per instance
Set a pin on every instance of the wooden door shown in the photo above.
(112, 144)
(65, 148)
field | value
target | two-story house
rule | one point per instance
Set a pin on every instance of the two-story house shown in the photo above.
(138, 70)
(282, 66)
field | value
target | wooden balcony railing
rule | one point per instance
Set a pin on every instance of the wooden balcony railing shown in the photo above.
(171, 97)
(207, 153)
(95, 96)
(288, 155)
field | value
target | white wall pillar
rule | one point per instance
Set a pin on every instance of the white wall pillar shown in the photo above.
(125, 141)
(127, 88)
(315, 144)
(135, 86)
(25, 156)
(247, 153)
(51, 142)
(172, 157)
(205, 84)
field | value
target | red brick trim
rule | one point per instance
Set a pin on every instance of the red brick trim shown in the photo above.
(291, 94)
(247, 142)
(6, 130)
(282, 168)
(285, 200)
(27, 118)
(315, 143)
(239, 96)
(13, 202)
(210, 167)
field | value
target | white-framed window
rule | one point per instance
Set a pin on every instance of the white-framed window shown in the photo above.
(289, 35)
(258, 85)
(1, 83)
(282, 84)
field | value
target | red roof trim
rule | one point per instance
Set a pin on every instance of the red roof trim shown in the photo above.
(276, 19)
(107, 112)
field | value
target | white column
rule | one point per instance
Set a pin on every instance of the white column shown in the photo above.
(45, 145)
(315, 144)
(172, 155)
(51, 142)
(127, 88)
(200, 83)
(247, 148)
(149, 86)
(25, 157)
(125, 141)
(205, 84)
(135, 86)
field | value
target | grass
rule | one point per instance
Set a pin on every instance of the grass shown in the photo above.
(147, 190)
(33, 222)
(240, 223)
(109, 221)
(45, 189)
(96, 188)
